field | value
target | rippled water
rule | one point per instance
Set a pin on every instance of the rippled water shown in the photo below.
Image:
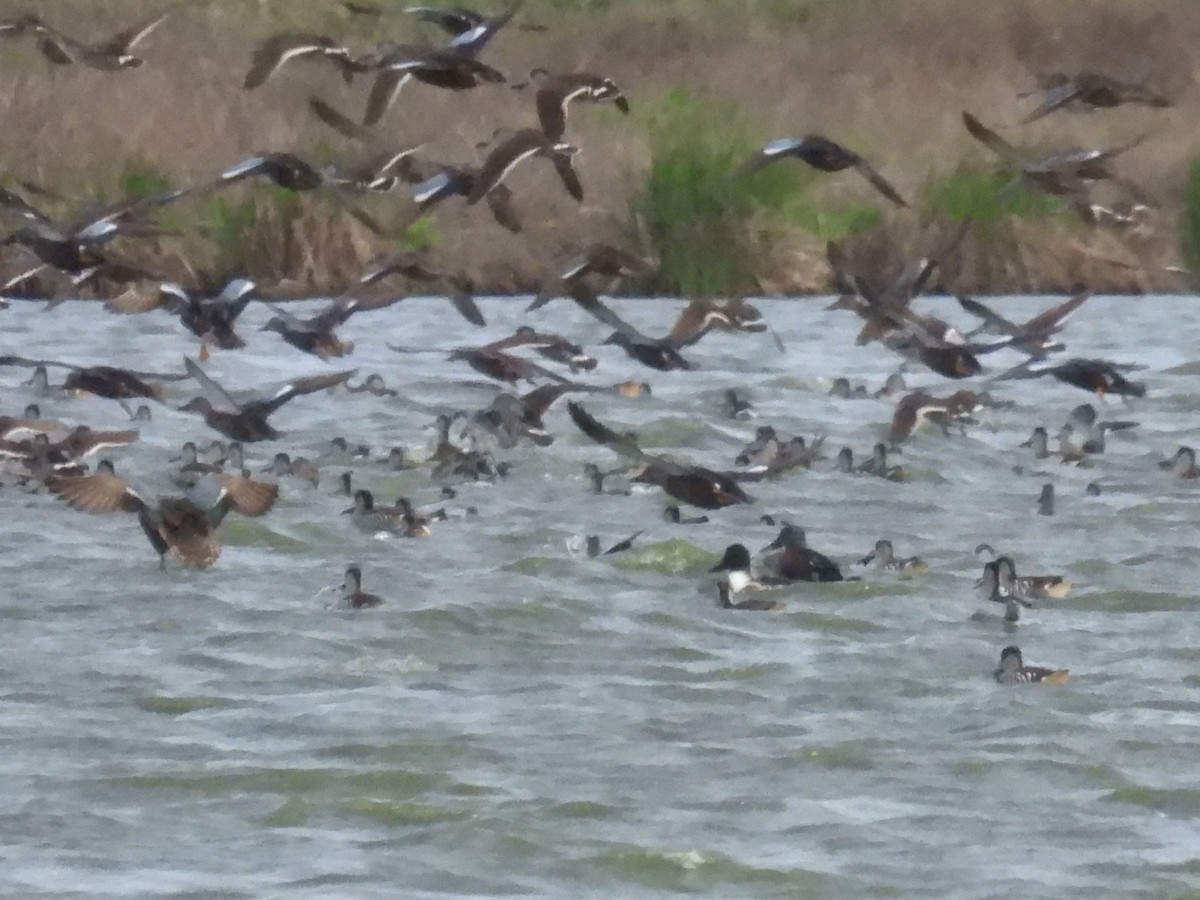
(519, 720)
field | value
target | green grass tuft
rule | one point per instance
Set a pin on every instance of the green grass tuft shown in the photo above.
(138, 178)
(705, 221)
(1189, 219)
(420, 235)
(987, 197)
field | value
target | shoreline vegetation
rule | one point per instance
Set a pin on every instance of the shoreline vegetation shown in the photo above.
(709, 83)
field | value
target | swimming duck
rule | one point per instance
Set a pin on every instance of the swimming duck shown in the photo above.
(1014, 671)
(341, 451)
(893, 386)
(788, 559)
(451, 461)
(1046, 500)
(183, 527)
(353, 596)
(1182, 464)
(593, 545)
(1035, 587)
(737, 406)
(999, 583)
(776, 454)
(842, 390)
(300, 467)
(824, 155)
(1083, 420)
(757, 604)
(884, 557)
(371, 518)
(735, 566)
(878, 464)
(597, 476)
(1039, 443)
(397, 460)
(248, 421)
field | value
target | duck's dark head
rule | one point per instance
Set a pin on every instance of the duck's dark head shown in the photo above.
(364, 502)
(1010, 657)
(736, 559)
(353, 581)
(789, 536)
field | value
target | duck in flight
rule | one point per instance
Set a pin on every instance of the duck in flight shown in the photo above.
(823, 155)
(247, 421)
(692, 484)
(555, 93)
(182, 527)
(274, 52)
(110, 54)
(1089, 90)
(522, 145)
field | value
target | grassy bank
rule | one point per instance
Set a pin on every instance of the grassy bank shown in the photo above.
(708, 82)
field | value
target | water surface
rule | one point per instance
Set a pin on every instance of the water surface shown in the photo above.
(522, 721)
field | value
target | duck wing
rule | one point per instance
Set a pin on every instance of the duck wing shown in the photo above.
(589, 300)
(878, 182)
(98, 493)
(297, 388)
(128, 38)
(995, 143)
(273, 52)
(216, 395)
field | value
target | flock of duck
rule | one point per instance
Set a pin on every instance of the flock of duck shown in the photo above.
(78, 258)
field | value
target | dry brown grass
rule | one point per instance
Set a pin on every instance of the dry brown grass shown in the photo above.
(889, 79)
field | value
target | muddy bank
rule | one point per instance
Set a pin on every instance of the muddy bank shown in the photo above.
(889, 81)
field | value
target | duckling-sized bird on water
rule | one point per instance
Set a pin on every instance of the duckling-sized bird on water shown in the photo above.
(353, 596)
(1014, 671)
